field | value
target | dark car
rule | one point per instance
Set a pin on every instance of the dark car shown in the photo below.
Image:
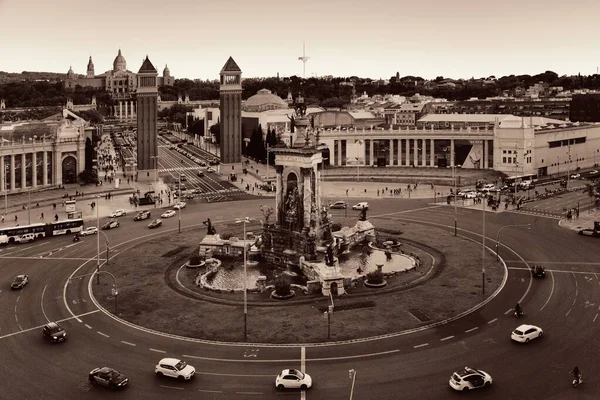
(538, 271)
(53, 332)
(589, 232)
(111, 224)
(108, 377)
(200, 174)
(19, 282)
(155, 224)
(142, 215)
(339, 204)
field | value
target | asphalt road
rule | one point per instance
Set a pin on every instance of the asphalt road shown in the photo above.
(413, 365)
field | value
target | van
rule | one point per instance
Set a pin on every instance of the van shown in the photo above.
(28, 237)
(3, 239)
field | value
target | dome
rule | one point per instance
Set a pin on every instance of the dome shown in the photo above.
(70, 74)
(119, 64)
(166, 71)
(265, 100)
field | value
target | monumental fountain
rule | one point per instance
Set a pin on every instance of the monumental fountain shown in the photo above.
(300, 235)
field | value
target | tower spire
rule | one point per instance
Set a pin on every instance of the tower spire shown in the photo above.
(304, 59)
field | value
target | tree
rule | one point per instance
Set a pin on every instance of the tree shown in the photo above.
(215, 131)
(196, 127)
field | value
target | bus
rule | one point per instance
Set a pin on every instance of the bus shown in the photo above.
(511, 180)
(41, 230)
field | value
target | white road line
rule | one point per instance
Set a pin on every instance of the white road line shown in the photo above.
(358, 356)
(471, 330)
(551, 292)
(420, 345)
(17, 319)
(568, 312)
(446, 338)
(303, 369)
(210, 391)
(157, 351)
(42, 304)
(261, 393)
(508, 311)
(492, 321)
(128, 343)
(41, 326)
(87, 326)
(171, 387)
(18, 297)
(103, 334)
(595, 318)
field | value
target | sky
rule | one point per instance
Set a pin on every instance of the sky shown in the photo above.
(371, 39)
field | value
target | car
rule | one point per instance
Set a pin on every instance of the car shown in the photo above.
(175, 368)
(168, 214)
(339, 204)
(293, 379)
(469, 195)
(200, 174)
(469, 378)
(360, 206)
(197, 191)
(90, 230)
(538, 271)
(118, 213)
(28, 237)
(108, 377)
(589, 232)
(183, 178)
(53, 332)
(111, 224)
(142, 215)
(594, 172)
(575, 176)
(179, 205)
(524, 333)
(19, 282)
(155, 224)
(211, 169)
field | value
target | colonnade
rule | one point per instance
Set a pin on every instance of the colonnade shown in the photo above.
(27, 171)
(125, 109)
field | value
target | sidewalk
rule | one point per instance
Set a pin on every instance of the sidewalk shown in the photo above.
(585, 221)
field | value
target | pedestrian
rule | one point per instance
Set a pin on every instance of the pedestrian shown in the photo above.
(16, 218)
(42, 216)
(3, 219)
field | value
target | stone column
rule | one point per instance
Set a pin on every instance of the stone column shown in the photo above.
(45, 168)
(399, 152)
(23, 170)
(306, 197)
(391, 152)
(2, 175)
(34, 169)
(12, 172)
(120, 110)
(407, 151)
(371, 151)
(57, 167)
(132, 109)
(416, 150)
(452, 152)
(279, 196)
(339, 153)
(424, 158)
(484, 156)
(432, 155)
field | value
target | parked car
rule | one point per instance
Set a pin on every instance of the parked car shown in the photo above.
(142, 215)
(293, 379)
(53, 332)
(113, 223)
(589, 232)
(118, 213)
(175, 368)
(108, 377)
(179, 205)
(211, 169)
(360, 206)
(339, 204)
(168, 214)
(469, 378)
(90, 230)
(155, 224)
(525, 333)
(19, 282)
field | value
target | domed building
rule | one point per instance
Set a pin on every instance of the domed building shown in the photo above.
(264, 100)
(119, 82)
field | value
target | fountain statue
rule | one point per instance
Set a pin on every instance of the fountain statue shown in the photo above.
(210, 230)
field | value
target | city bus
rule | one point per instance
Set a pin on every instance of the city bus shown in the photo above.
(512, 180)
(41, 230)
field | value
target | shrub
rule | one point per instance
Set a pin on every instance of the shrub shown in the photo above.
(375, 277)
(226, 236)
(194, 259)
(336, 226)
(282, 286)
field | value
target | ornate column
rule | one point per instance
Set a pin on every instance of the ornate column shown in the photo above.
(57, 167)
(120, 110)
(399, 152)
(339, 153)
(424, 158)
(278, 193)
(432, 155)
(23, 170)
(452, 152)
(407, 162)
(391, 152)
(306, 197)
(416, 151)
(484, 156)
(2, 175)
(371, 151)
(12, 172)
(34, 169)
(45, 168)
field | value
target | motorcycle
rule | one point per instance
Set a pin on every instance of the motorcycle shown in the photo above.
(577, 381)
(76, 238)
(518, 313)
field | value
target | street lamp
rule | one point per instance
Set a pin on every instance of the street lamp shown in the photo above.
(352, 375)
(29, 206)
(528, 226)
(179, 202)
(245, 221)
(155, 158)
(453, 197)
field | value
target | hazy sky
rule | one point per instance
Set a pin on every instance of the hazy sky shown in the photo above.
(376, 38)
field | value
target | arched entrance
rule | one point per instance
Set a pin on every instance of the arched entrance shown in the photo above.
(326, 155)
(69, 170)
(334, 289)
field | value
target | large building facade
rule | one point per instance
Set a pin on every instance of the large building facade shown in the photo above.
(42, 154)
(231, 113)
(119, 82)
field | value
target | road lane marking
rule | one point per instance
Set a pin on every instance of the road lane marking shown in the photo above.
(17, 319)
(359, 356)
(568, 312)
(551, 291)
(261, 393)
(41, 326)
(210, 391)
(127, 343)
(171, 387)
(157, 351)
(102, 334)
(508, 311)
(420, 345)
(42, 304)
(492, 321)
(595, 318)
(446, 338)
(87, 326)
(471, 330)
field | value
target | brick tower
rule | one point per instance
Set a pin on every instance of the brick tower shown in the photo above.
(231, 113)
(147, 120)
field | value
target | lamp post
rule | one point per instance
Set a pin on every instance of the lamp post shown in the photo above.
(244, 221)
(454, 197)
(98, 242)
(155, 158)
(352, 376)
(29, 206)
(568, 165)
(483, 249)
(179, 201)
(528, 226)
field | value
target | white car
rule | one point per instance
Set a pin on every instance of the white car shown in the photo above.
(575, 176)
(361, 205)
(168, 214)
(469, 195)
(211, 169)
(117, 213)
(469, 378)
(525, 333)
(91, 230)
(174, 368)
(293, 379)
(179, 205)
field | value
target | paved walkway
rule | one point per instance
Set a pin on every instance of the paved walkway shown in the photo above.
(584, 221)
